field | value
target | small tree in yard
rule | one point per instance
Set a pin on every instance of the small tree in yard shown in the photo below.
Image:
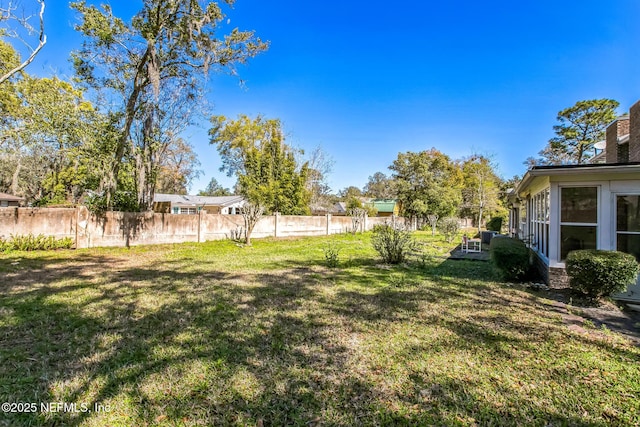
(392, 242)
(357, 218)
(251, 214)
(433, 220)
(449, 227)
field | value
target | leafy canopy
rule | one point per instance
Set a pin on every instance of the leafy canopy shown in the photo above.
(152, 73)
(266, 167)
(426, 183)
(579, 128)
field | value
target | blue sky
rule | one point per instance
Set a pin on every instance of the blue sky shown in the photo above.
(369, 79)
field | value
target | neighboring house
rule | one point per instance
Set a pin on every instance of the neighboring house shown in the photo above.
(7, 200)
(191, 205)
(557, 209)
(386, 207)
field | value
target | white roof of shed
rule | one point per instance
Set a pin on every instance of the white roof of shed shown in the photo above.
(187, 200)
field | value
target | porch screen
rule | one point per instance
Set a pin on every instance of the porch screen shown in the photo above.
(578, 219)
(539, 226)
(628, 225)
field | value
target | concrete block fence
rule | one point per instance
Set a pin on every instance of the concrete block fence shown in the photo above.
(128, 228)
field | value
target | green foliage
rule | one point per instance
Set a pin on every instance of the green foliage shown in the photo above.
(599, 273)
(449, 227)
(30, 242)
(331, 254)
(123, 201)
(214, 189)
(481, 189)
(511, 257)
(46, 129)
(268, 173)
(392, 242)
(380, 186)
(581, 126)
(153, 69)
(495, 224)
(426, 183)
(354, 203)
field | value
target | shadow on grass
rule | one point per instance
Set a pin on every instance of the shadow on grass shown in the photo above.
(167, 344)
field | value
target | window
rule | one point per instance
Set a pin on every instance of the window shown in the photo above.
(628, 225)
(578, 219)
(188, 211)
(176, 210)
(538, 214)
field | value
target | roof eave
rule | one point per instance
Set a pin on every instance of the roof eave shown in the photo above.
(540, 171)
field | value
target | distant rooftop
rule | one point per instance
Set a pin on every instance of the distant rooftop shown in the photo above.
(188, 200)
(10, 197)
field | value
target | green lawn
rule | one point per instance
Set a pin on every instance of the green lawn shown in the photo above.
(220, 334)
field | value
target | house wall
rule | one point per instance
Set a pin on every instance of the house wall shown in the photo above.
(610, 186)
(128, 229)
(634, 133)
(614, 130)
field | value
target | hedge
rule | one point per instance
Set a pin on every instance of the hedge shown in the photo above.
(495, 224)
(599, 273)
(510, 256)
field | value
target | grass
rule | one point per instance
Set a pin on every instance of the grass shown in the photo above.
(221, 334)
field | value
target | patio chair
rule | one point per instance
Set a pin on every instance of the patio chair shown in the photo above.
(471, 245)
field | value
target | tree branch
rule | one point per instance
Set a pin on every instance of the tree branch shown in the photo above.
(42, 41)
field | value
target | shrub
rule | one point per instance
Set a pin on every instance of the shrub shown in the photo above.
(29, 242)
(449, 227)
(393, 243)
(5, 246)
(331, 254)
(510, 256)
(495, 224)
(599, 273)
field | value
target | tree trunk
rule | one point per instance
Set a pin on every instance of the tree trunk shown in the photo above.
(15, 178)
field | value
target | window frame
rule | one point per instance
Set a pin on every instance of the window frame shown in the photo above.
(597, 225)
(616, 232)
(538, 218)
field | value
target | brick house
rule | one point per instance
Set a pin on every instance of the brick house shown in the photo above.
(557, 209)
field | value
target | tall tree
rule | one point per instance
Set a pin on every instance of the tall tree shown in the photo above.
(178, 167)
(350, 192)
(427, 183)
(152, 68)
(320, 165)
(481, 188)
(380, 186)
(45, 135)
(581, 126)
(268, 174)
(214, 189)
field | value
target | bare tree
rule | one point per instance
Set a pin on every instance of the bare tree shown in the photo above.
(433, 220)
(357, 218)
(9, 13)
(320, 166)
(251, 214)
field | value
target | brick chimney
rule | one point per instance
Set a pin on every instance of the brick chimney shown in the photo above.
(634, 133)
(615, 130)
